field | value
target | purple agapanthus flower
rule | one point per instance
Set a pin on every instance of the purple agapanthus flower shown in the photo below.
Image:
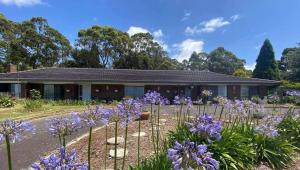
(221, 101)
(176, 100)
(268, 127)
(188, 155)
(92, 116)
(153, 97)
(14, 129)
(293, 93)
(207, 127)
(63, 126)
(189, 102)
(127, 111)
(64, 161)
(267, 130)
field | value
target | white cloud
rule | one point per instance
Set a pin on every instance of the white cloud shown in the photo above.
(21, 3)
(207, 26)
(134, 30)
(186, 48)
(186, 16)
(157, 35)
(250, 66)
(235, 17)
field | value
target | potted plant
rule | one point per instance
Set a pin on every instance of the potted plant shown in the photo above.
(145, 114)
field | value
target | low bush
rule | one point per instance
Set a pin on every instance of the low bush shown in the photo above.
(32, 105)
(290, 99)
(160, 162)
(289, 128)
(6, 101)
(35, 94)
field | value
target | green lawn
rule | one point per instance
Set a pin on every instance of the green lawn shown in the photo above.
(18, 111)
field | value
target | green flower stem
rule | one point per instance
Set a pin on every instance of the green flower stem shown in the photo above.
(152, 128)
(9, 161)
(180, 112)
(64, 141)
(105, 147)
(125, 146)
(221, 113)
(89, 147)
(215, 110)
(139, 138)
(157, 130)
(116, 134)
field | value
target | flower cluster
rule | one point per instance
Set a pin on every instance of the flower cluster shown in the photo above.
(92, 116)
(62, 126)
(207, 93)
(207, 127)
(152, 97)
(127, 111)
(242, 107)
(176, 100)
(189, 156)
(14, 129)
(64, 161)
(293, 93)
(272, 99)
(268, 127)
(222, 101)
(189, 102)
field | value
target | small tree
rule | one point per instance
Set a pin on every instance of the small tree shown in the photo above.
(266, 66)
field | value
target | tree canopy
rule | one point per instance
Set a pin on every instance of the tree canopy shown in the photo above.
(219, 60)
(289, 64)
(266, 66)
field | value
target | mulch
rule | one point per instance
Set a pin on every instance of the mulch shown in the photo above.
(98, 144)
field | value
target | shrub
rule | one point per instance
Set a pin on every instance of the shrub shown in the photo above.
(276, 152)
(6, 101)
(233, 151)
(290, 99)
(35, 94)
(289, 128)
(32, 105)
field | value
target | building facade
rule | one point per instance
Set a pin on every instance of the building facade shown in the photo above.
(114, 84)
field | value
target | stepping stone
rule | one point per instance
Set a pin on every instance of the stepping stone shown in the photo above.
(120, 153)
(111, 141)
(136, 134)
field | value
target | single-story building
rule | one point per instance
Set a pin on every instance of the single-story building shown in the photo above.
(114, 84)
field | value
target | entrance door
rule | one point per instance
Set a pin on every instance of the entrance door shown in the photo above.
(134, 91)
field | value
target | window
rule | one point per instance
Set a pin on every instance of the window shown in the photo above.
(222, 90)
(244, 92)
(49, 91)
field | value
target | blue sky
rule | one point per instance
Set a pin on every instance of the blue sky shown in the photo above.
(180, 26)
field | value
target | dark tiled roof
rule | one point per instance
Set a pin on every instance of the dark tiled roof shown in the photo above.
(129, 76)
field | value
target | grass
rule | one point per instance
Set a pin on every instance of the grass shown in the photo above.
(19, 112)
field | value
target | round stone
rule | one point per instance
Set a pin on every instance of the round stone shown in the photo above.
(136, 134)
(111, 141)
(120, 153)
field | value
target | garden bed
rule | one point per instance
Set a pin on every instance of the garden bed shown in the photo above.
(98, 143)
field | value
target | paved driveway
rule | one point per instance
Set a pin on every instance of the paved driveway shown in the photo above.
(29, 149)
(25, 152)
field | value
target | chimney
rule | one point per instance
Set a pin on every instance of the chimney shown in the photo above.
(12, 68)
